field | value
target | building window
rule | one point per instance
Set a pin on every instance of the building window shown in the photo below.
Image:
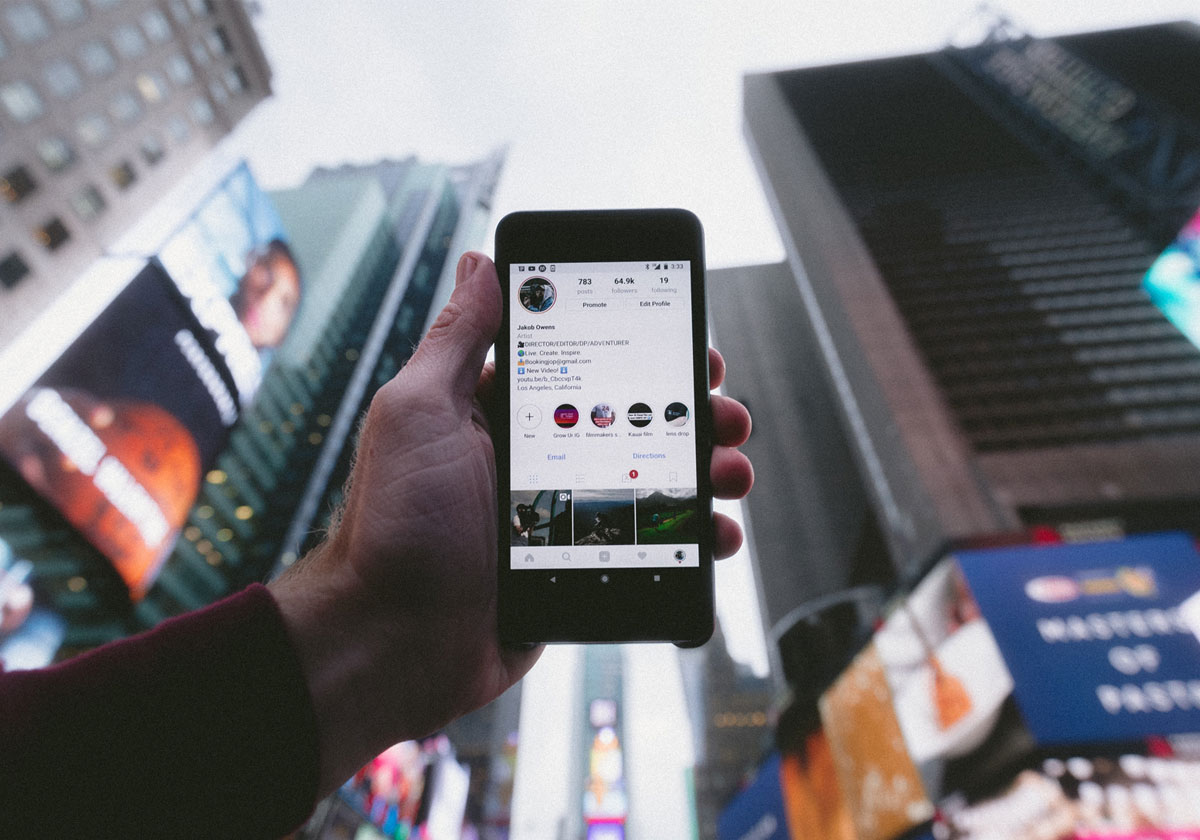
(179, 11)
(63, 79)
(200, 54)
(217, 91)
(199, 7)
(202, 112)
(67, 11)
(152, 149)
(217, 40)
(13, 270)
(27, 23)
(178, 129)
(21, 101)
(180, 69)
(55, 153)
(97, 59)
(154, 24)
(104, 4)
(129, 41)
(93, 130)
(152, 86)
(16, 184)
(124, 108)
(235, 79)
(88, 203)
(122, 175)
(53, 234)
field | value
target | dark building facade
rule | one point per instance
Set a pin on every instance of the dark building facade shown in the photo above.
(968, 231)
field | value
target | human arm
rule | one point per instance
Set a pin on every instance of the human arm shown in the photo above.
(394, 615)
(201, 727)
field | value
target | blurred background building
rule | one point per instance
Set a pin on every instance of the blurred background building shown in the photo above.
(964, 346)
(967, 236)
(374, 246)
(377, 247)
(988, 215)
(103, 107)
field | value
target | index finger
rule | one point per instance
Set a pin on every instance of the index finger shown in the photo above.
(716, 368)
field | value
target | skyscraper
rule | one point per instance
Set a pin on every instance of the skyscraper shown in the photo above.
(104, 105)
(375, 247)
(969, 230)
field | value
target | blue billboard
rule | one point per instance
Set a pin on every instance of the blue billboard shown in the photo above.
(1093, 634)
(758, 812)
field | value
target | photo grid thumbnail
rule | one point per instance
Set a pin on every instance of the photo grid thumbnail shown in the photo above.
(540, 517)
(651, 516)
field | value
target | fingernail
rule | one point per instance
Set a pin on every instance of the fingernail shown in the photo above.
(466, 267)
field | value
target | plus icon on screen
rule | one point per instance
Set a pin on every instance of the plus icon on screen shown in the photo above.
(529, 416)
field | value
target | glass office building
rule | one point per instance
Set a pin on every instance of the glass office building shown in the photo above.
(376, 249)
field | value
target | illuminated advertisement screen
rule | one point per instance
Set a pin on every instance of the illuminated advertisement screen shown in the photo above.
(232, 262)
(1173, 281)
(758, 810)
(389, 790)
(1094, 636)
(30, 634)
(117, 432)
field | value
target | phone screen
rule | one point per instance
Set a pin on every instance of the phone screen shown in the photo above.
(602, 443)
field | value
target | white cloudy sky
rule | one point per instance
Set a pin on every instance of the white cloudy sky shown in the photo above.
(603, 104)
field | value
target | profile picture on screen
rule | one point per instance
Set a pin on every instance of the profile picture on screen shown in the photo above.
(639, 415)
(537, 294)
(566, 416)
(676, 414)
(603, 415)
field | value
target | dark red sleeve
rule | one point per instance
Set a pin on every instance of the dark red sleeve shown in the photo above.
(200, 727)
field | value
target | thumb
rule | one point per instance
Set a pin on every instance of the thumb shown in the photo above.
(456, 345)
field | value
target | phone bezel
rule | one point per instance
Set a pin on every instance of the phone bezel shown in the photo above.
(631, 606)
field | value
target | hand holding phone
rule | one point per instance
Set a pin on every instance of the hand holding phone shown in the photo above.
(605, 497)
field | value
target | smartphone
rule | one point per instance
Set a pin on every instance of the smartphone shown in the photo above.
(604, 429)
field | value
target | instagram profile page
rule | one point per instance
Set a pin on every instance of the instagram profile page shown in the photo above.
(603, 439)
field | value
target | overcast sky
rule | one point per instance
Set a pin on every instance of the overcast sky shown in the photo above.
(620, 103)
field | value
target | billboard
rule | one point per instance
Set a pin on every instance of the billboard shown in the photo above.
(758, 811)
(1004, 654)
(232, 262)
(1173, 281)
(30, 633)
(1093, 636)
(1119, 797)
(412, 789)
(117, 432)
